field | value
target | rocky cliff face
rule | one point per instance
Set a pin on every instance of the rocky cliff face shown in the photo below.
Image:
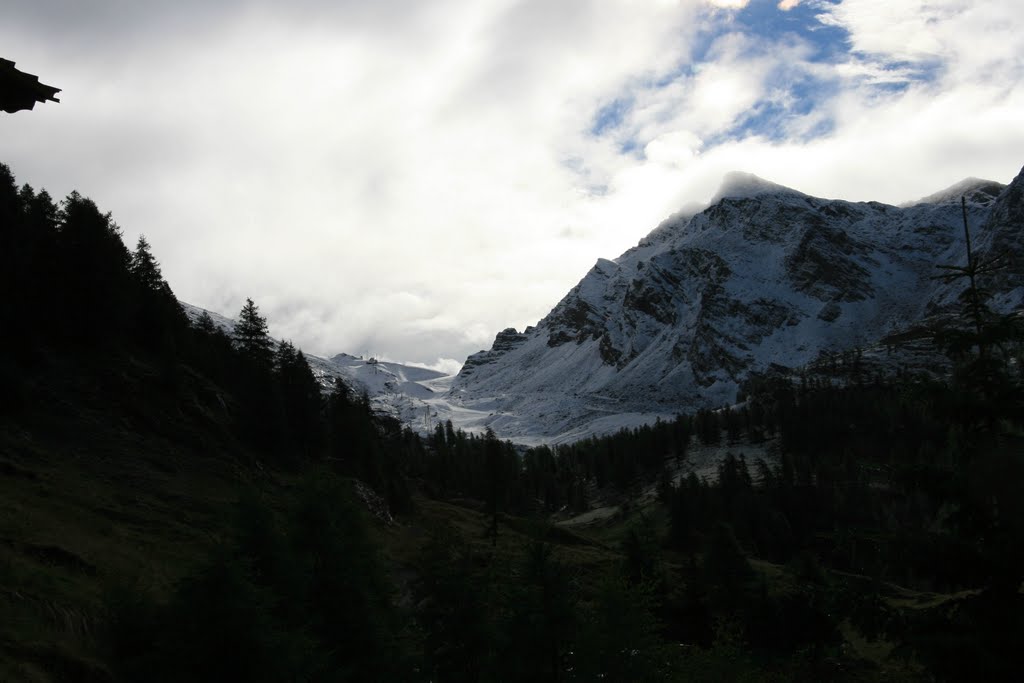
(765, 275)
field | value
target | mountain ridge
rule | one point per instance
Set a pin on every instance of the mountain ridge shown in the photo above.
(766, 278)
(766, 275)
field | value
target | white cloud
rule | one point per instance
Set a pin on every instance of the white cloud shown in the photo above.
(729, 4)
(677, 148)
(976, 39)
(409, 178)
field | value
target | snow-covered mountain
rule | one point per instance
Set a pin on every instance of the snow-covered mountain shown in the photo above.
(765, 276)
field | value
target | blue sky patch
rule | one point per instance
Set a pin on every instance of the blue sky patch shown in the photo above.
(906, 73)
(802, 92)
(764, 19)
(760, 19)
(793, 91)
(610, 116)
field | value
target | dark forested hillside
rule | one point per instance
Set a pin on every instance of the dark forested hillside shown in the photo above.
(127, 438)
(177, 504)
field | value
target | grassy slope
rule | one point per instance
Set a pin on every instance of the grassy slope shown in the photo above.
(106, 482)
(102, 482)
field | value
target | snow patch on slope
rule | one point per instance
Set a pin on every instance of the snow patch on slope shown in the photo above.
(977, 191)
(764, 277)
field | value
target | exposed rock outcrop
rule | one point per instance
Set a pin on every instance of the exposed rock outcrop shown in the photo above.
(765, 277)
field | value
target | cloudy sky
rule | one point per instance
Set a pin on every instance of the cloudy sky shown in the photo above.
(408, 177)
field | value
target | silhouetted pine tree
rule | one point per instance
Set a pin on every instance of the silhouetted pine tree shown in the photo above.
(93, 273)
(251, 335)
(145, 268)
(159, 320)
(205, 324)
(300, 400)
(492, 454)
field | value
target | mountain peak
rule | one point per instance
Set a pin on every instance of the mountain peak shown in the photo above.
(977, 190)
(740, 185)
(682, 321)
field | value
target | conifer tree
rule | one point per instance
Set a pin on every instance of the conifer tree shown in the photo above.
(144, 267)
(42, 213)
(541, 621)
(300, 398)
(251, 334)
(205, 324)
(982, 343)
(985, 347)
(284, 359)
(492, 453)
(93, 272)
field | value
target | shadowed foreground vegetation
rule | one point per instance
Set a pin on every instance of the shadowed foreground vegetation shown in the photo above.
(177, 504)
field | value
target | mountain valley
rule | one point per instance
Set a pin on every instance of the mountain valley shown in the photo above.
(764, 280)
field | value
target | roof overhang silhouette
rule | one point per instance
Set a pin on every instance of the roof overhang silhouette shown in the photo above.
(19, 90)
